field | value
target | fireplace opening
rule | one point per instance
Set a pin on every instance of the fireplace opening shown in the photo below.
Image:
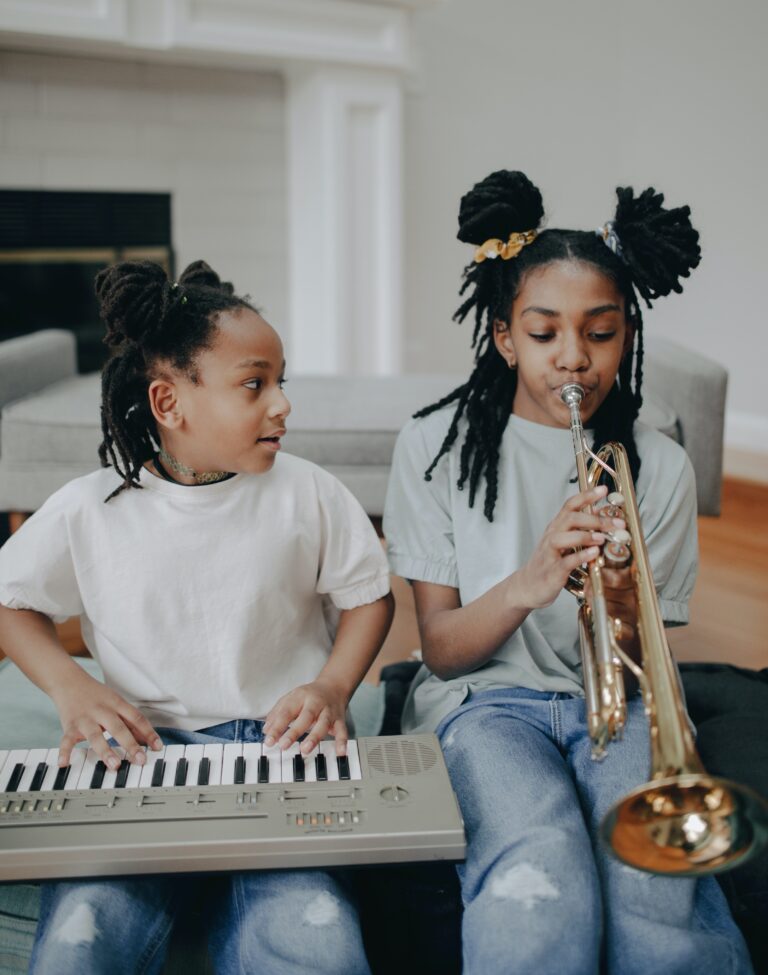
(53, 243)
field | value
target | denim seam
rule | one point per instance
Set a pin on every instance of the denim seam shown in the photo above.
(557, 727)
(157, 941)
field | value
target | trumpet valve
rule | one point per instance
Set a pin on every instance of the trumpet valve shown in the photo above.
(616, 554)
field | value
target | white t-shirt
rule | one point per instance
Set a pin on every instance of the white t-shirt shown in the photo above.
(202, 604)
(434, 536)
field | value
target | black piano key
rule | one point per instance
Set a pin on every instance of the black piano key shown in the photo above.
(343, 762)
(263, 772)
(321, 768)
(158, 773)
(239, 770)
(204, 771)
(61, 777)
(37, 778)
(98, 775)
(122, 774)
(13, 782)
(298, 768)
(182, 768)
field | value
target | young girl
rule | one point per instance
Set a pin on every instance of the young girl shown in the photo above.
(204, 587)
(483, 517)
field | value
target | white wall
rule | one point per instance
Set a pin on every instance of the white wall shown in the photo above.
(214, 139)
(585, 96)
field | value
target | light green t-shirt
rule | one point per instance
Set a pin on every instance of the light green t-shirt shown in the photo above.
(434, 536)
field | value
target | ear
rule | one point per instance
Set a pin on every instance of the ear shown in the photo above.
(502, 338)
(164, 403)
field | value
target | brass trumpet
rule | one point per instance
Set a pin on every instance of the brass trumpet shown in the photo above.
(682, 821)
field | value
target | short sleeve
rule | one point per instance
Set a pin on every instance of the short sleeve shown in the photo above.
(353, 569)
(671, 536)
(36, 566)
(418, 524)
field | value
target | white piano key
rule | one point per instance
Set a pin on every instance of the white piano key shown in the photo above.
(193, 754)
(328, 748)
(77, 759)
(15, 756)
(35, 756)
(355, 772)
(145, 781)
(287, 762)
(231, 752)
(52, 761)
(310, 772)
(134, 773)
(274, 756)
(216, 755)
(110, 775)
(86, 772)
(251, 754)
(4, 753)
(172, 755)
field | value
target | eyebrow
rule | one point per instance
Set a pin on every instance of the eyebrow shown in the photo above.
(257, 364)
(551, 313)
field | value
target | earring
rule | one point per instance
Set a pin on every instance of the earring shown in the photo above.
(512, 364)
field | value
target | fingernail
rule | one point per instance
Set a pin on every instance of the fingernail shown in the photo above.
(598, 536)
(157, 743)
(140, 758)
(593, 551)
(269, 741)
(285, 742)
(113, 762)
(618, 522)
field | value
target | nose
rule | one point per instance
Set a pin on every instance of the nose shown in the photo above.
(280, 405)
(573, 355)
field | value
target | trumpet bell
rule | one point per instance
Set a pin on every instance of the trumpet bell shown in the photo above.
(687, 825)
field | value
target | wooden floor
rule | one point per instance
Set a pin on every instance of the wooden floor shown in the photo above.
(729, 609)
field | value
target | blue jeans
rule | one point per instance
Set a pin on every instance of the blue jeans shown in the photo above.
(270, 921)
(541, 894)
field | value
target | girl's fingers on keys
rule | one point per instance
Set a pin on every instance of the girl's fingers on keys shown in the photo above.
(124, 737)
(341, 735)
(276, 723)
(68, 741)
(141, 729)
(317, 732)
(300, 726)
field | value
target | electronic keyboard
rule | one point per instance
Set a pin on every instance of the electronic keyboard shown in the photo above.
(194, 808)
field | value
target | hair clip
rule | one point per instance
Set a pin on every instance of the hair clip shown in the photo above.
(611, 238)
(494, 247)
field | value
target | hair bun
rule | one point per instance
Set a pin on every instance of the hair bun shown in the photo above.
(660, 246)
(133, 299)
(198, 274)
(503, 203)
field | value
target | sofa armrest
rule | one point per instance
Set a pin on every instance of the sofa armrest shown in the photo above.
(694, 387)
(32, 362)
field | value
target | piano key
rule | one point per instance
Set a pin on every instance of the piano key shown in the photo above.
(343, 763)
(263, 770)
(180, 775)
(39, 777)
(193, 754)
(310, 771)
(230, 753)
(251, 756)
(328, 749)
(274, 756)
(86, 772)
(204, 771)
(121, 776)
(321, 767)
(172, 755)
(216, 755)
(355, 771)
(239, 770)
(15, 756)
(147, 771)
(158, 773)
(287, 762)
(297, 768)
(97, 778)
(4, 753)
(33, 759)
(110, 776)
(16, 776)
(70, 774)
(52, 761)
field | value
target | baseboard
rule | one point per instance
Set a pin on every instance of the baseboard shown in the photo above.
(746, 465)
(746, 446)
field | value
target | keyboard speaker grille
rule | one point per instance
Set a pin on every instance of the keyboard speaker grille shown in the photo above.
(402, 757)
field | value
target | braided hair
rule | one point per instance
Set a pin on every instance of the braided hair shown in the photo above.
(658, 246)
(148, 320)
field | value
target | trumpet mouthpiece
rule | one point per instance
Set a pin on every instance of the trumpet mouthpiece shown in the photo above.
(572, 394)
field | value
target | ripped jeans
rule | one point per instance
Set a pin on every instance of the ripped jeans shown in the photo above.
(540, 892)
(270, 921)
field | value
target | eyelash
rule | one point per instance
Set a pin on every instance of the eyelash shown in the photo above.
(280, 382)
(544, 337)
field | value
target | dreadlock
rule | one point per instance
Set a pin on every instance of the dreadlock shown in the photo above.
(149, 320)
(657, 248)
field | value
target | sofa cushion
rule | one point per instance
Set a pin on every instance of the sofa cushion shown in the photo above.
(347, 425)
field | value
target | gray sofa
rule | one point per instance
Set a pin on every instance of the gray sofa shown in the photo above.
(49, 426)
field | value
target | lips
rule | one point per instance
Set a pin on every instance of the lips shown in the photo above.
(272, 440)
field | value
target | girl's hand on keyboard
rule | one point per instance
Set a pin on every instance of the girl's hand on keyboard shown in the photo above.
(87, 708)
(317, 710)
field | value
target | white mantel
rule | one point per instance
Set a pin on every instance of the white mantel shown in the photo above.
(344, 63)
